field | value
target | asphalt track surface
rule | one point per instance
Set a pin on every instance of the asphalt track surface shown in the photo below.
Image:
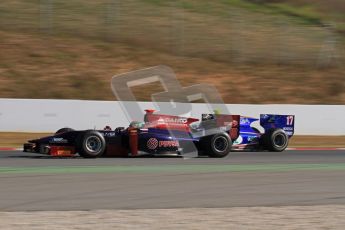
(35, 182)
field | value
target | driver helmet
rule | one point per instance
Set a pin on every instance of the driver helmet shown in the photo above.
(137, 124)
(107, 128)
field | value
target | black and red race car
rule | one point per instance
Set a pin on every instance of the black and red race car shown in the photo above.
(157, 135)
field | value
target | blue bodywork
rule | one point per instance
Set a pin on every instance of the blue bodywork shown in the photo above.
(252, 129)
(186, 141)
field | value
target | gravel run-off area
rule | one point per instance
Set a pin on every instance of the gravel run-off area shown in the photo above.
(286, 217)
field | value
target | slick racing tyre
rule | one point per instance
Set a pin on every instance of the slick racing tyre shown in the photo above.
(91, 144)
(275, 140)
(63, 130)
(217, 145)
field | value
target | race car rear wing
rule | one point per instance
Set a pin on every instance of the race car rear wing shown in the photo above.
(284, 122)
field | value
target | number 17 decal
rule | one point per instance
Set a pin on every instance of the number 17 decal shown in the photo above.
(289, 120)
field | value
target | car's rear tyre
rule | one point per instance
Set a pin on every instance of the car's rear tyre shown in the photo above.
(91, 145)
(275, 140)
(63, 130)
(217, 145)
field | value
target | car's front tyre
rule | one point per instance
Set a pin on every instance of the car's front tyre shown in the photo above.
(91, 145)
(64, 130)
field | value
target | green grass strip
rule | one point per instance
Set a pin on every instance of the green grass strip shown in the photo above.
(172, 169)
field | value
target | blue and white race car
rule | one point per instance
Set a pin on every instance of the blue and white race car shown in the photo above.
(271, 132)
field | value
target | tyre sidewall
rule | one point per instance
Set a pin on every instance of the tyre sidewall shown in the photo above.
(82, 144)
(211, 146)
(271, 140)
(64, 130)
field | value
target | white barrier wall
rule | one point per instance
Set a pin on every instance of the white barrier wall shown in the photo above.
(26, 115)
